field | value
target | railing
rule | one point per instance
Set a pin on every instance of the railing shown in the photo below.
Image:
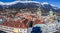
(12, 29)
(6, 29)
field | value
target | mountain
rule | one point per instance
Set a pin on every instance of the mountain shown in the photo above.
(45, 7)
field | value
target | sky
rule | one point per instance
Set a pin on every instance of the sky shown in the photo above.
(54, 2)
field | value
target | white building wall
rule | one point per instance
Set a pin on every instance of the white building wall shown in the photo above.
(12, 30)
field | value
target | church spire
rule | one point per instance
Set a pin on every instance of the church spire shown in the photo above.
(51, 12)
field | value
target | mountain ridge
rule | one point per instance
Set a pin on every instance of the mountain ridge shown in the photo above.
(31, 4)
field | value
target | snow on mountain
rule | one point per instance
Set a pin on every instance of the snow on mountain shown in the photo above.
(15, 2)
(22, 4)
